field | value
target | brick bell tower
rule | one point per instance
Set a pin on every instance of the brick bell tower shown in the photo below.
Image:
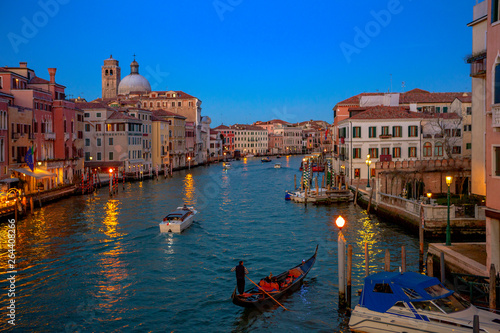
(111, 76)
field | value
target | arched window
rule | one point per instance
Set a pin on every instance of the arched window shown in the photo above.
(145, 104)
(110, 72)
(427, 149)
(106, 72)
(150, 104)
(158, 104)
(496, 84)
(438, 149)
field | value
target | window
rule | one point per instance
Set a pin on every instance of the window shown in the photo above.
(87, 115)
(412, 151)
(1, 83)
(496, 160)
(98, 142)
(98, 115)
(357, 173)
(456, 150)
(397, 131)
(385, 130)
(445, 109)
(99, 156)
(438, 109)
(412, 131)
(495, 9)
(385, 151)
(87, 128)
(356, 153)
(173, 104)
(396, 152)
(469, 110)
(87, 142)
(98, 127)
(110, 141)
(87, 155)
(110, 155)
(438, 149)
(468, 145)
(373, 152)
(356, 132)
(382, 288)
(427, 149)
(496, 92)
(179, 103)
(467, 128)
(372, 132)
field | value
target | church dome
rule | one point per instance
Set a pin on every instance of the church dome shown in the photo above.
(134, 82)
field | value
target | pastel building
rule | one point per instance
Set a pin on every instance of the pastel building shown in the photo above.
(160, 143)
(177, 137)
(228, 138)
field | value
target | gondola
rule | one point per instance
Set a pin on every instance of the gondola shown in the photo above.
(255, 297)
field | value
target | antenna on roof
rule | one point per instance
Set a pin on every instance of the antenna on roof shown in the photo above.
(403, 86)
(391, 83)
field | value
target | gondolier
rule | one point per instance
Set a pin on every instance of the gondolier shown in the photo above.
(240, 276)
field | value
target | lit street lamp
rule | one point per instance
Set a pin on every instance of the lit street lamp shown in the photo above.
(189, 160)
(368, 162)
(429, 195)
(448, 231)
(340, 222)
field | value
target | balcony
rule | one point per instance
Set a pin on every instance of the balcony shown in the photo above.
(495, 112)
(385, 136)
(16, 136)
(66, 136)
(50, 135)
(477, 63)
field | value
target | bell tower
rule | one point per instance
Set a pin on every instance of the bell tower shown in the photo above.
(111, 76)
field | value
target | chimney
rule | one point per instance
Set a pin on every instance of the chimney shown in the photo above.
(23, 64)
(52, 73)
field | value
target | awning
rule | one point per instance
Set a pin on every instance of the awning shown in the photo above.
(38, 173)
(9, 180)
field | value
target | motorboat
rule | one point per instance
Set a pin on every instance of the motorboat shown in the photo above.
(226, 166)
(250, 155)
(266, 159)
(277, 165)
(178, 220)
(412, 302)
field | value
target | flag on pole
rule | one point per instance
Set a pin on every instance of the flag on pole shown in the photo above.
(29, 158)
(326, 134)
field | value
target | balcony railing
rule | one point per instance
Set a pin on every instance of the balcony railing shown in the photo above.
(385, 136)
(495, 112)
(50, 136)
(477, 63)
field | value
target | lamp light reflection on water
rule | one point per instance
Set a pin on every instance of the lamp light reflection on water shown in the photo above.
(189, 190)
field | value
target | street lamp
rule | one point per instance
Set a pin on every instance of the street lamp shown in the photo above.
(368, 162)
(449, 179)
(429, 195)
(340, 222)
(189, 160)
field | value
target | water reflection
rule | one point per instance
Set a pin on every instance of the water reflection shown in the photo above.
(189, 190)
(111, 219)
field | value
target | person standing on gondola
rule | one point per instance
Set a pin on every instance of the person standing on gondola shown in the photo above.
(240, 276)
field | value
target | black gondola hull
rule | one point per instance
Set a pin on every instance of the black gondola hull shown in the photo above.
(268, 301)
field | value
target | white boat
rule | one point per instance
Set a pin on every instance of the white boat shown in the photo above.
(250, 155)
(226, 166)
(277, 166)
(411, 302)
(178, 220)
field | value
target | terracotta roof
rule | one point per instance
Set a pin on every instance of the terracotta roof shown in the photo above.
(427, 97)
(246, 127)
(221, 127)
(37, 79)
(165, 113)
(418, 91)
(92, 105)
(354, 100)
(396, 112)
(162, 94)
(121, 115)
(155, 118)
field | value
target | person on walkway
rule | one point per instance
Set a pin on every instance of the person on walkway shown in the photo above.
(240, 276)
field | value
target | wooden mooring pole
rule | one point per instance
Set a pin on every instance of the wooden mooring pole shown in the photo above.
(421, 239)
(370, 201)
(349, 275)
(403, 259)
(387, 261)
(367, 271)
(493, 287)
(31, 205)
(430, 266)
(341, 268)
(442, 267)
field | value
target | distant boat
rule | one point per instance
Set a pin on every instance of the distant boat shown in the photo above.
(277, 165)
(250, 155)
(266, 159)
(178, 220)
(226, 166)
(315, 167)
(279, 156)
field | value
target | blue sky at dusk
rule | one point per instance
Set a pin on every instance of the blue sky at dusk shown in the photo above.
(247, 60)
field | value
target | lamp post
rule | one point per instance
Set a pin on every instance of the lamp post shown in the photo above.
(340, 222)
(189, 161)
(368, 162)
(429, 195)
(448, 231)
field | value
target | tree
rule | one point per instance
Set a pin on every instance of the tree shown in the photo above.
(446, 129)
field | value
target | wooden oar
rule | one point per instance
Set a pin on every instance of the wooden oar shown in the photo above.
(267, 293)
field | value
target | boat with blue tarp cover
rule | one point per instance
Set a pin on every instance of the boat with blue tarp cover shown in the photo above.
(412, 302)
(279, 286)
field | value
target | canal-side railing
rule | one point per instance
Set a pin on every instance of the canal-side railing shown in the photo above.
(409, 206)
(476, 288)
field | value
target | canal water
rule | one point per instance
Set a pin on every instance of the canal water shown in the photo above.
(97, 263)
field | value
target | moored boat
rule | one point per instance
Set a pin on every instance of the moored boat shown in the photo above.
(277, 165)
(266, 159)
(411, 302)
(178, 220)
(286, 282)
